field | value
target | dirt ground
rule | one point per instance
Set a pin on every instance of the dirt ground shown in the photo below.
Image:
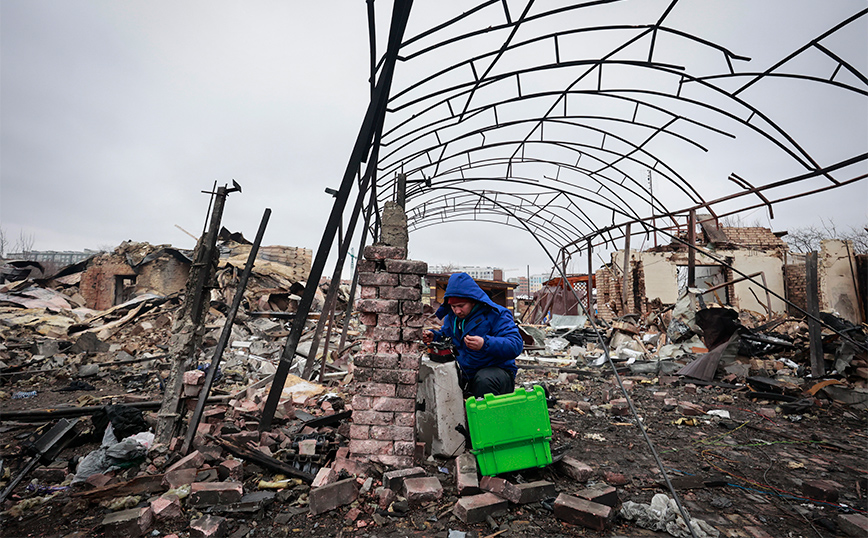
(743, 475)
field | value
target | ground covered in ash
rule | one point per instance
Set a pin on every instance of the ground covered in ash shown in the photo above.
(746, 474)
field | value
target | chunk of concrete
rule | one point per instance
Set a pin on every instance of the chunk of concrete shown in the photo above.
(853, 524)
(443, 403)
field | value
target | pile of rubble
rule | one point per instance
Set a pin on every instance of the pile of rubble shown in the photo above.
(753, 445)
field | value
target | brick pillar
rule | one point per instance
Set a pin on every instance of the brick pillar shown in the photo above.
(387, 369)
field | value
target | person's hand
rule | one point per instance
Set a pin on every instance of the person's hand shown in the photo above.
(427, 337)
(474, 343)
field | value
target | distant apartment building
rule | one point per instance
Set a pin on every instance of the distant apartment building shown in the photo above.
(57, 258)
(475, 271)
(536, 283)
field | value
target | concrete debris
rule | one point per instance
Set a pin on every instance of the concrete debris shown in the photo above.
(717, 388)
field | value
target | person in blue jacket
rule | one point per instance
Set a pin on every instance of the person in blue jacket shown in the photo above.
(484, 334)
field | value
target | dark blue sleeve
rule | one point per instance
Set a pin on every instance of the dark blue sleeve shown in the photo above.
(505, 341)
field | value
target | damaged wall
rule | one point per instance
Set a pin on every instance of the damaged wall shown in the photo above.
(837, 277)
(654, 275)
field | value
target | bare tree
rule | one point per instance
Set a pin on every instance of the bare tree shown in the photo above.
(25, 243)
(3, 242)
(809, 238)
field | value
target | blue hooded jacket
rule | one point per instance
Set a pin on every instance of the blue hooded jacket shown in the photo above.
(496, 324)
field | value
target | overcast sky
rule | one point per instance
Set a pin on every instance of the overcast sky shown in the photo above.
(114, 116)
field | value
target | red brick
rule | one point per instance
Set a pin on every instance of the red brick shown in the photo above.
(209, 527)
(394, 480)
(360, 431)
(393, 433)
(412, 307)
(500, 487)
(192, 460)
(232, 470)
(536, 491)
(405, 405)
(575, 469)
(821, 490)
(405, 419)
(406, 448)
(132, 522)
(332, 496)
(415, 321)
(167, 508)
(853, 524)
(690, 388)
(351, 466)
(393, 461)
(406, 391)
(376, 389)
(372, 418)
(466, 475)
(385, 252)
(377, 360)
(179, 477)
(386, 496)
(324, 477)
(689, 409)
(362, 403)
(406, 266)
(367, 266)
(379, 279)
(476, 508)
(384, 334)
(421, 489)
(214, 493)
(412, 280)
(583, 512)
(615, 479)
(401, 293)
(377, 306)
(601, 495)
(370, 446)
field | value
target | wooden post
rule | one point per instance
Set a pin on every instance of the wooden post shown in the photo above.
(818, 367)
(626, 273)
(691, 250)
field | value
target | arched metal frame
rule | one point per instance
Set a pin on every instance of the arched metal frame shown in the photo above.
(569, 142)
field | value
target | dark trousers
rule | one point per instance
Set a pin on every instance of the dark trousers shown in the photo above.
(491, 380)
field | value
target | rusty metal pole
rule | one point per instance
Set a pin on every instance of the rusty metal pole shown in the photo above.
(691, 252)
(818, 367)
(626, 273)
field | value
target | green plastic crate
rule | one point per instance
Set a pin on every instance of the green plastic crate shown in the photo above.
(510, 432)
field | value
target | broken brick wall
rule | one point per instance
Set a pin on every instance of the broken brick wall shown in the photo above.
(754, 237)
(100, 282)
(387, 369)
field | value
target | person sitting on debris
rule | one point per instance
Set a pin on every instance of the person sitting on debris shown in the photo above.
(484, 334)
